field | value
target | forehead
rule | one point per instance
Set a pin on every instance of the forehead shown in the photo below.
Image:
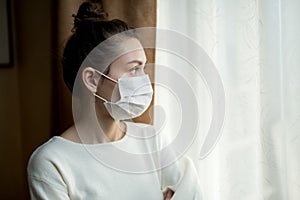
(131, 44)
(132, 50)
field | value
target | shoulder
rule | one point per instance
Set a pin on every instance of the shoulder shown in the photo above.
(45, 169)
(43, 159)
(47, 149)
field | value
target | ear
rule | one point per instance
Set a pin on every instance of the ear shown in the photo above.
(90, 79)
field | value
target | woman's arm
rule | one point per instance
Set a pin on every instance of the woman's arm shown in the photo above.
(44, 177)
(178, 180)
(182, 178)
(43, 189)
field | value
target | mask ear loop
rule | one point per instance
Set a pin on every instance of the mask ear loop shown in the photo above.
(113, 80)
(94, 93)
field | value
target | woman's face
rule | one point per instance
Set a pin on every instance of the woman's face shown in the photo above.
(130, 64)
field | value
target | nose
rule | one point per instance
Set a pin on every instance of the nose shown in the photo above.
(142, 72)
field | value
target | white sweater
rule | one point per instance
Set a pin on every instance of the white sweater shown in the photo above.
(62, 169)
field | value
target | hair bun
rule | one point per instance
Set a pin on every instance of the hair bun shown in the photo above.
(90, 11)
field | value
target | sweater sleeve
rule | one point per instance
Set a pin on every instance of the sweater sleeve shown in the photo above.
(181, 176)
(44, 176)
(42, 189)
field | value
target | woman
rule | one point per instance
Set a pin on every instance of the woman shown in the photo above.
(110, 87)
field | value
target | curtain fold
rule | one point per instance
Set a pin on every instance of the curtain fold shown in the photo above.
(255, 47)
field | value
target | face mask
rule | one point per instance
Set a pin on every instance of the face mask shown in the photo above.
(136, 95)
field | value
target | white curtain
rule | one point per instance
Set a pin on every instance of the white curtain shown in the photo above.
(255, 46)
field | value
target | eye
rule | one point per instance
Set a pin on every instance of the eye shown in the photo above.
(138, 69)
(133, 70)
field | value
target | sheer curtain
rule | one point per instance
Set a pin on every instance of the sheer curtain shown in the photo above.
(255, 47)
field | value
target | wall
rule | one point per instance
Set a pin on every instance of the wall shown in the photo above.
(26, 93)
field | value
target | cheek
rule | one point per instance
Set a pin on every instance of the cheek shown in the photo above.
(117, 71)
(115, 94)
(118, 75)
(109, 90)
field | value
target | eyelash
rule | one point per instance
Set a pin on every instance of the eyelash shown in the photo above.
(136, 68)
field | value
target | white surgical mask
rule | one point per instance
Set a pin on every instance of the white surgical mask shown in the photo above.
(136, 95)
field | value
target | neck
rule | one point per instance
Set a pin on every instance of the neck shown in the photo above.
(97, 126)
